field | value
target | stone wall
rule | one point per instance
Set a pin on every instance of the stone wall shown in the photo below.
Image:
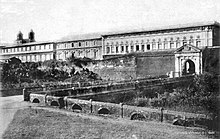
(121, 68)
(135, 65)
(211, 61)
(155, 64)
(132, 112)
(216, 36)
(38, 98)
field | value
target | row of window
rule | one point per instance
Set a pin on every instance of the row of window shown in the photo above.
(34, 58)
(166, 40)
(79, 44)
(89, 54)
(149, 46)
(27, 48)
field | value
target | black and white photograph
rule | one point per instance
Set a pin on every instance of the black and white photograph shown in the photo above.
(109, 69)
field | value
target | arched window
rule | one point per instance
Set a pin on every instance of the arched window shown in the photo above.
(137, 47)
(126, 47)
(142, 47)
(184, 40)
(191, 40)
(148, 46)
(122, 49)
(35, 57)
(116, 48)
(132, 46)
(107, 50)
(198, 42)
(95, 54)
(165, 44)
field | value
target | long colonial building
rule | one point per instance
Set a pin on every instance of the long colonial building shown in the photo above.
(89, 46)
(186, 42)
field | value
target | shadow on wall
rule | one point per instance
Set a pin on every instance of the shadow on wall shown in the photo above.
(76, 108)
(54, 103)
(36, 100)
(103, 111)
(138, 116)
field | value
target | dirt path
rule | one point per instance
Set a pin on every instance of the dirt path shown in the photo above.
(8, 107)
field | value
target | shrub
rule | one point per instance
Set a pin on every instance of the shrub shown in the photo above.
(156, 102)
(142, 102)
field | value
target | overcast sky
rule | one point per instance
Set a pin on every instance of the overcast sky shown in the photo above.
(54, 19)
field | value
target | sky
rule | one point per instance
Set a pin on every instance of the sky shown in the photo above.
(54, 19)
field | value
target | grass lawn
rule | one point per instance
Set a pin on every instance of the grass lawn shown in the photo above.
(40, 123)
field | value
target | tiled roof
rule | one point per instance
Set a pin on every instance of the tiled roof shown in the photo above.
(178, 26)
(30, 43)
(81, 37)
(140, 30)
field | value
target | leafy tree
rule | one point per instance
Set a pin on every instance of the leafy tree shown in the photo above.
(202, 94)
(79, 62)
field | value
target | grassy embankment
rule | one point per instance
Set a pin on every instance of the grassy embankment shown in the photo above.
(38, 123)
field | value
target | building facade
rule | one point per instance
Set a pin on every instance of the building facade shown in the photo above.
(29, 52)
(187, 42)
(90, 47)
(184, 43)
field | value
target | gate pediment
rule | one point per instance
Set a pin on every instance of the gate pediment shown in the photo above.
(188, 49)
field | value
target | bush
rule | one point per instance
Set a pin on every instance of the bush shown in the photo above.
(202, 95)
(156, 102)
(142, 102)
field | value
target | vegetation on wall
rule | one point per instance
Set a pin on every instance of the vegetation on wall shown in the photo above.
(201, 96)
(16, 72)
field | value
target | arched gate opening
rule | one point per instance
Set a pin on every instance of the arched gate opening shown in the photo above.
(188, 67)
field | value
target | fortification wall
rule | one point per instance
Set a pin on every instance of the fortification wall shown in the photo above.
(123, 68)
(211, 61)
(133, 66)
(155, 65)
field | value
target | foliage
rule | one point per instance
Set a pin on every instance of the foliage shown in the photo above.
(51, 70)
(142, 102)
(79, 62)
(83, 76)
(202, 93)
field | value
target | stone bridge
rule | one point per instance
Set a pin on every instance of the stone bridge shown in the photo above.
(82, 100)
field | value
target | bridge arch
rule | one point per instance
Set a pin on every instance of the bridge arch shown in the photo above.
(138, 116)
(103, 111)
(54, 103)
(35, 100)
(76, 107)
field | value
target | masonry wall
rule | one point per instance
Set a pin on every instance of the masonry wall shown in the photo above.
(136, 65)
(123, 68)
(129, 112)
(211, 61)
(155, 64)
(216, 36)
